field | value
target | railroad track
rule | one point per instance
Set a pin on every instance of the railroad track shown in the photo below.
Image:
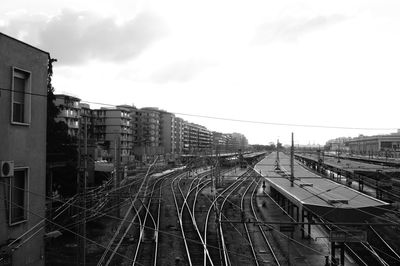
(235, 186)
(199, 251)
(390, 255)
(186, 193)
(380, 253)
(127, 221)
(146, 252)
(214, 236)
(270, 255)
(365, 253)
(193, 244)
(246, 226)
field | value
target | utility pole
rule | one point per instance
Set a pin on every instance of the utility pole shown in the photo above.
(117, 179)
(215, 171)
(277, 164)
(277, 150)
(78, 183)
(292, 163)
(82, 184)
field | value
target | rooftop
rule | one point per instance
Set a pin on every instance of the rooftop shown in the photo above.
(323, 197)
(24, 43)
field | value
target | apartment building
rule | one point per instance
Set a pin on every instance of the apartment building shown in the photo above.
(204, 138)
(112, 126)
(149, 135)
(167, 133)
(78, 117)
(69, 112)
(236, 141)
(220, 141)
(196, 138)
(178, 132)
(23, 90)
(86, 120)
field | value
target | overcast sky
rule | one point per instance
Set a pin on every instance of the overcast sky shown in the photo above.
(328, 63)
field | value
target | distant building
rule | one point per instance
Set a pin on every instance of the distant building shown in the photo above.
(178, 131)
(196, 138)
(236, 141)
(149, 135)
(375, 144)
(337, 144)
(23, 83)
(112, 126)
(219, 141)
(169, 134)
(86, 117)
(69, 112)
(145, 133)
(78, 117)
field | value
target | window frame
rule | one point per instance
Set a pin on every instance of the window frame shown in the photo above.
(27, 98)
(25, 169)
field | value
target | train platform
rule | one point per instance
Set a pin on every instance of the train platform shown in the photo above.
(381, 160)
(312, 251)
(320, 196)
(302, 208)
(348, 165)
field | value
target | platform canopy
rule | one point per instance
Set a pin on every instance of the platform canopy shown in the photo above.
(323, 197)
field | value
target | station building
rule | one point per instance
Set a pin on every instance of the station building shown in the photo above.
(375, 144)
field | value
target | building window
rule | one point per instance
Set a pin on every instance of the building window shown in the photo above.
(17, 196)
(20, 97)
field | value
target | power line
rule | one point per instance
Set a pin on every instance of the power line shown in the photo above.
(283, 124)
(239, 120)
(25, 92)
(210, 246)
(100, 245)
(58, 225)
(262, 122)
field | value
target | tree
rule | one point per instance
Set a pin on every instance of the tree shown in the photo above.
(60, 147)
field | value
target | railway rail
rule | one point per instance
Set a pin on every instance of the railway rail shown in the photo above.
(127, 222)
(223, 197)
(271, 255)
(193, 243)
(367, 254)
(146, 251)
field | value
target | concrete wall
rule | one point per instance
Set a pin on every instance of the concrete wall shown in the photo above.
(24, 144)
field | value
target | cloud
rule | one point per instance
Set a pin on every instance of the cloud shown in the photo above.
(290, 29)
(74, 37)
(25, 27)
(180, 71)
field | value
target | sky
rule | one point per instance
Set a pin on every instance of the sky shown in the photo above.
(320, 69)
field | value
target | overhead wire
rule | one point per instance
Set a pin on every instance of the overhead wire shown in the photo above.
(235, 120)
(337, 206)
(244, 121)
(160, 231)
(66, 229)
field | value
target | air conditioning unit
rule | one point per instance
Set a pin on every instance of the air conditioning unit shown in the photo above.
(6, 168)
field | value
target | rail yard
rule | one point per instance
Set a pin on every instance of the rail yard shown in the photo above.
(251, 210)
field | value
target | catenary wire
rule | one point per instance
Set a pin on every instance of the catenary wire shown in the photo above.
(100, 245)
(174, 235)
(236, 120)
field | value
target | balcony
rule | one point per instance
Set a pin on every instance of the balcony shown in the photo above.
(73, 125)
